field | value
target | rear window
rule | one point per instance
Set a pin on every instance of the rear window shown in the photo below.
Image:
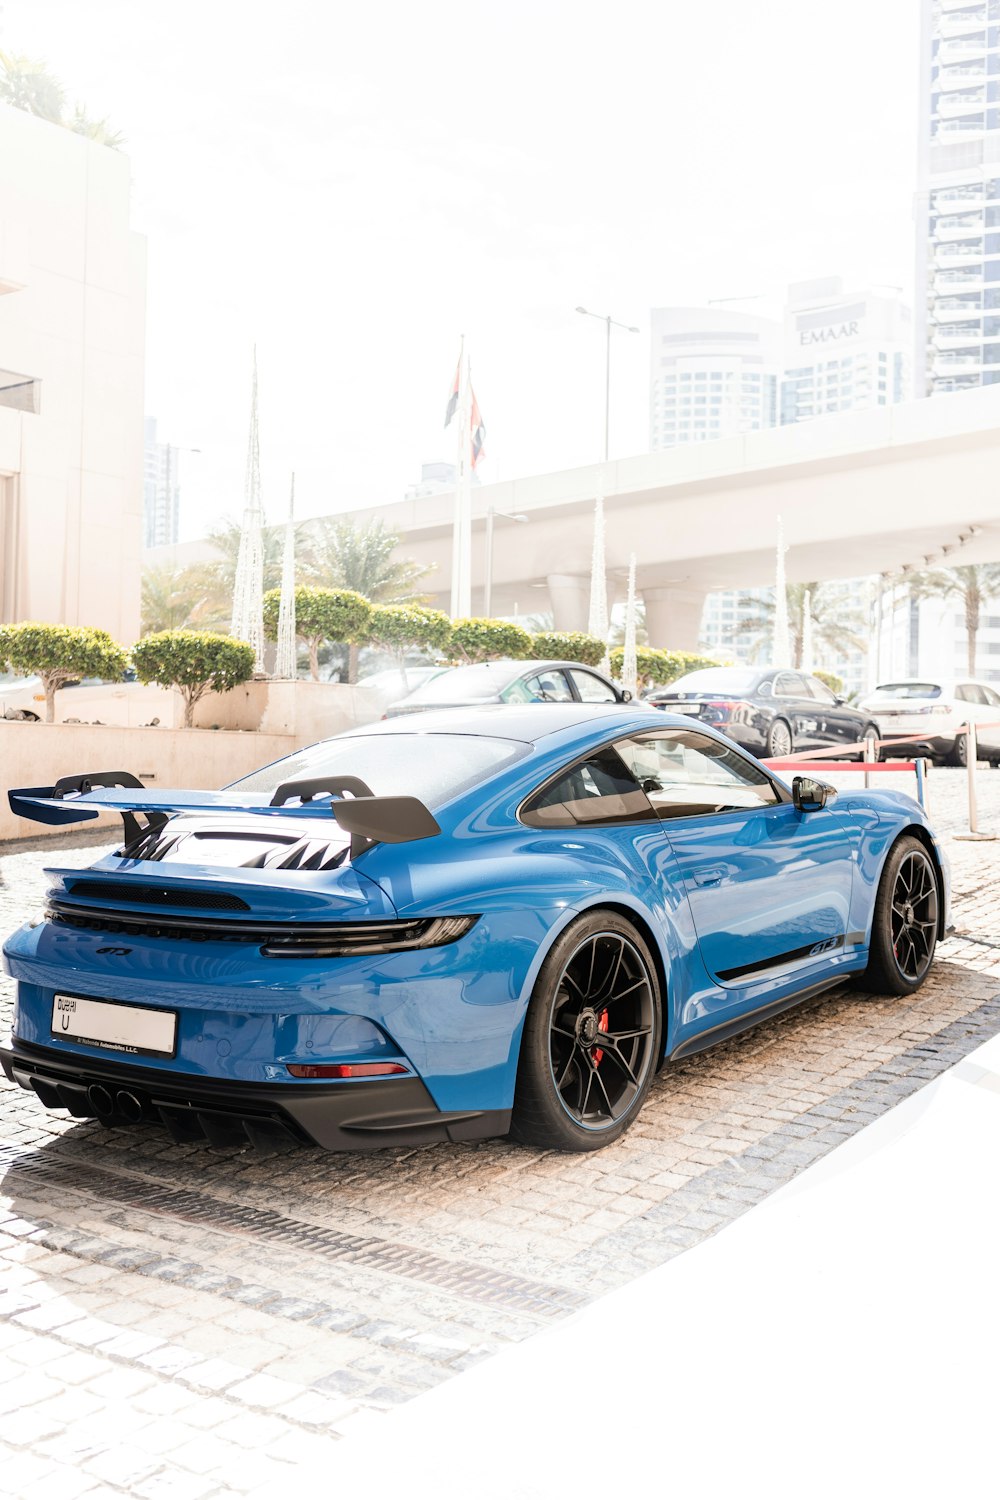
(464, 684)
(887, 690)
(715, 680)
(433, 767)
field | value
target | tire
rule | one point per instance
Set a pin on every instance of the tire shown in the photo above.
(871, 732)
(959, 752)
(598, 980)
(779, 740)
(905, 923)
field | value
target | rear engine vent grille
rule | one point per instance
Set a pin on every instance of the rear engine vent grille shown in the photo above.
(156, 895)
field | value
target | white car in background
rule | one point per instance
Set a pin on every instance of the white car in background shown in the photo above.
(930, 714)
(89, 702)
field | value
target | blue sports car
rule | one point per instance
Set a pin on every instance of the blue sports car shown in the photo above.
(453, 925)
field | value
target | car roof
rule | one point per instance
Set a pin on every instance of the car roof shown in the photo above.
(527, 722)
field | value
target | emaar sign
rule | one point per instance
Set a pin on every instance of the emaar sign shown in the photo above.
(832, 331)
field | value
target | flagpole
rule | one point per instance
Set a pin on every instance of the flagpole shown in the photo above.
(463, 598)
(456, 527)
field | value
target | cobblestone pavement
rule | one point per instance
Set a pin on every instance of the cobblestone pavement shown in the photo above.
(186, 1322)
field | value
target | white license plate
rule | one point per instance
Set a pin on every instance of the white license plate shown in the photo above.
(115, 1028)
(686, 708)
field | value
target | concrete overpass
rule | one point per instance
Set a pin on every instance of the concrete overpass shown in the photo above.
(901, 487)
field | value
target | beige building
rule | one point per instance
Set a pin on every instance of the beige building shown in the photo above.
(72, 337)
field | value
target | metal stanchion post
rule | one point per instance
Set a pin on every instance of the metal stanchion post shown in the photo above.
(871, 754)
(923, 766)
(971, 763)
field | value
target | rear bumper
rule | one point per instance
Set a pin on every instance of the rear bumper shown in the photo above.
(346, 1116)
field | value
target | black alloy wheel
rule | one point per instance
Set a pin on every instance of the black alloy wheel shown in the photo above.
(779, 740)
(906, 921)
(591, 1038)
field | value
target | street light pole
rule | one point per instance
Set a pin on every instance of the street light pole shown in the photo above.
(609, 323)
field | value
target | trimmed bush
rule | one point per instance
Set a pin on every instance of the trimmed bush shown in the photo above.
(489, 640)
(61, 654)
(195, 662)
(398, 628)
(339, 616)
(568, 645)
(662, 667)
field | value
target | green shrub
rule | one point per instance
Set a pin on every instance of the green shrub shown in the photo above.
(568, 645)
(61, 654)
(398, 628)
(339, 616)
(488, 640)
(662, 667)
(195, 661)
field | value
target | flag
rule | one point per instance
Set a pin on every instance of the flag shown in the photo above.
(453, 398)
(477, 428)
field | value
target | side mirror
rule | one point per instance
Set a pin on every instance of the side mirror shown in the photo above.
(809, 795)
(626, 696)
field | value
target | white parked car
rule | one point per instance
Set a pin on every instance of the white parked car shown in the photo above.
(90, 701)
(930, 714)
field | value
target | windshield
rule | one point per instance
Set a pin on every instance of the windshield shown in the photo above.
(715, 680)
(466, 684)
(433, 767)
(904, 690)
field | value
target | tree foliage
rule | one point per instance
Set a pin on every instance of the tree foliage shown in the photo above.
(568, 645)
(399, 628)
(26, 83)
(337, 553)
(488, 640)
(195, 661)
(175, 598)
(61, 654)
(834, 624)
(339, 616)
(971, 585)
(661, 667)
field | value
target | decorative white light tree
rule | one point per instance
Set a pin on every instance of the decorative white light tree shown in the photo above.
(597, 624)
(248, 593)
(807, 633)
(286, 659)
(782, 645)
(630, 669)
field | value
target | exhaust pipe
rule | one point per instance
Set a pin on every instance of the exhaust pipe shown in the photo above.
(129, 1107)
(100, 1100)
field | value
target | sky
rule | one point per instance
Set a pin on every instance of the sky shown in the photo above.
(352, 187)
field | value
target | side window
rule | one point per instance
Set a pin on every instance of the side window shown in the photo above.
(592, 689)
(820, 691)
(790, 685)
(549, 687)
(599, 789)
(968, 692)
(685, 774)
(992, 697)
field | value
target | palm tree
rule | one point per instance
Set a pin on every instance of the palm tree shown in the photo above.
(27, 84)
(176, 597)
(839, 629)
(973, 584)
(226, 540)
(337, 553)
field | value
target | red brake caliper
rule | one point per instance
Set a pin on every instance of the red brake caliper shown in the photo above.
(598, 1052)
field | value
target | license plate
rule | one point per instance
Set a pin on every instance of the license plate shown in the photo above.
(133, 1029)
(685, 708)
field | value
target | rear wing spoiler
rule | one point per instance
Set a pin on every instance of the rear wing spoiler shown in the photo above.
(368, 819)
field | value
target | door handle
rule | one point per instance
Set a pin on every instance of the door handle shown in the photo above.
(709, 875)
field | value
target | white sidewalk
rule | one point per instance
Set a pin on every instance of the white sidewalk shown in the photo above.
(841, 1339)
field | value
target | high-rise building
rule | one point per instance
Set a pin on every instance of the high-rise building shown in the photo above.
(844, 351)
(714, 374)
(161, 497)
(958, 199)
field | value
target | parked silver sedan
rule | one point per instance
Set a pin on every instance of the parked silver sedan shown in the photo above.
(930, 713)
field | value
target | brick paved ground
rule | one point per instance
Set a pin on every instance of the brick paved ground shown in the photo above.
(185, 1322)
